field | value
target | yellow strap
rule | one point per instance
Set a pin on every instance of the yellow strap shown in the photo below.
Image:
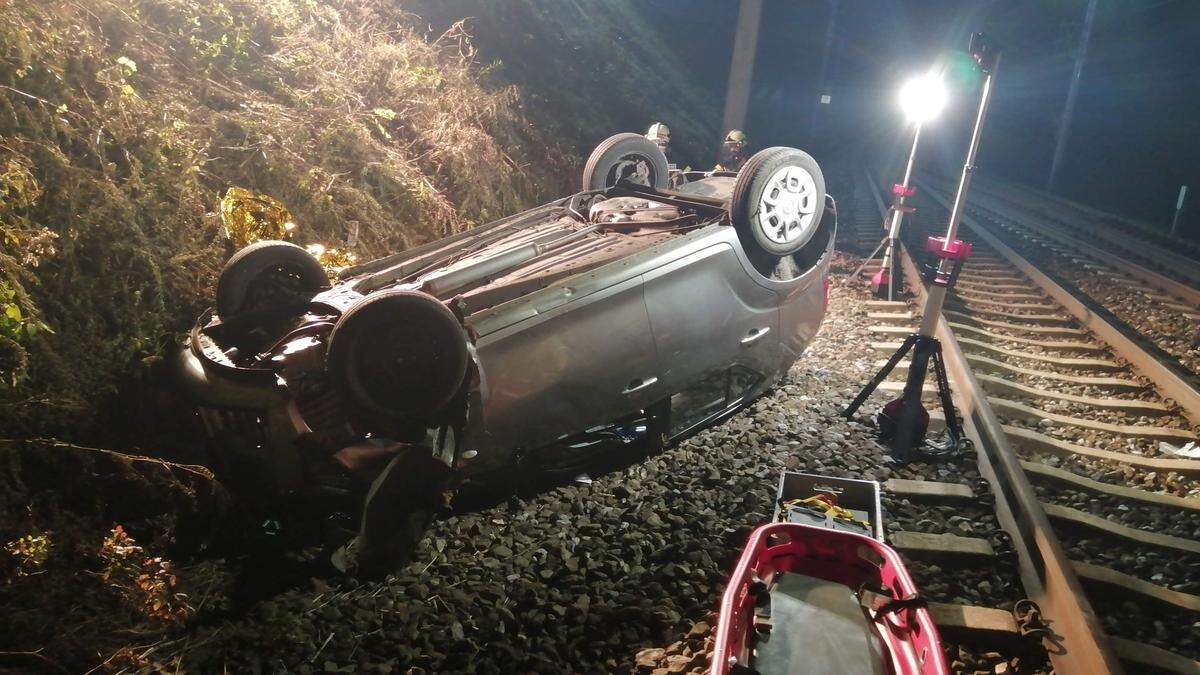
(829, 509)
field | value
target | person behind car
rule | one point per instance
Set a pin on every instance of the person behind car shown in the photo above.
(733, 152)
(660, 134)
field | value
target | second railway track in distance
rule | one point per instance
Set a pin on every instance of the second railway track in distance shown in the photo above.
(1170, 255)
(1088, 407)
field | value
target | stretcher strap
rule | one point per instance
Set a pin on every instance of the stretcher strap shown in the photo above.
(880, 601)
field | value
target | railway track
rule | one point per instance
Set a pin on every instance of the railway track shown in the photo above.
(1163, 317)
(1068, 411)
(1162, 274)
(1126, 230)
(865, 232)
(1165, 255)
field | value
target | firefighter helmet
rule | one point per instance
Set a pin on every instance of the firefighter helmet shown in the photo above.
(659, 133)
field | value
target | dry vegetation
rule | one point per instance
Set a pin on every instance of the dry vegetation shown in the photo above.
(123, 121)
(122, 124)
(77, 587)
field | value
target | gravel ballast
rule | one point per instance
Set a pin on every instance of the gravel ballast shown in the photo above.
(587, 578)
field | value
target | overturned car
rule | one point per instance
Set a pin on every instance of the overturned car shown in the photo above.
(624, 312)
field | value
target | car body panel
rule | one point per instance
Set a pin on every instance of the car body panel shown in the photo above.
(563, 371)
(801, 310)
(705, 311)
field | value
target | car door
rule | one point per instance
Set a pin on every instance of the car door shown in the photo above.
(582, 364)
(716, 332)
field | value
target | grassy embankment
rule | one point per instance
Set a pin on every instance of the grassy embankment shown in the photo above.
(121, 124)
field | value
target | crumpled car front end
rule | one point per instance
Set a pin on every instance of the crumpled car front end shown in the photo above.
(294, 398)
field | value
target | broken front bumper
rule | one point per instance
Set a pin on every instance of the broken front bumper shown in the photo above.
(251, 420)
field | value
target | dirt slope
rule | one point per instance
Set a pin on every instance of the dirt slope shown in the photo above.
(590, 69)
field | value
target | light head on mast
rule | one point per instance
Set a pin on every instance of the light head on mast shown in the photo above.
(923, 98)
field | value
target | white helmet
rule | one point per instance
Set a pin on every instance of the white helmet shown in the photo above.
(659, 133)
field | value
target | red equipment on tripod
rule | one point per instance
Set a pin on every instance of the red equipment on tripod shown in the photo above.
(886, 283)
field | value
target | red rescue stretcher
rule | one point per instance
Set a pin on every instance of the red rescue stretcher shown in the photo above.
(807, 599)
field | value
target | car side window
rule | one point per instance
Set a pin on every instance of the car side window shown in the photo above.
(741, 381)
(700, 401)
(710, 395)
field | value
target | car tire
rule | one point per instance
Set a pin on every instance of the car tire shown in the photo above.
(398, 354)
(626, 156)
(778, 200)
(268, 275)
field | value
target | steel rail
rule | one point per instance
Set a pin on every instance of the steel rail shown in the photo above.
(1080, 644)
(1187, 290)
(1139, 247)
(1170, 383)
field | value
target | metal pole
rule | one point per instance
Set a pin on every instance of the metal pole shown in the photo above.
(889, 255)
(903, 422)
(908, 426)
(937, 292)
(1178, 210)
(823, 79)
(912, 155)
(741, 68)
(1064, 122)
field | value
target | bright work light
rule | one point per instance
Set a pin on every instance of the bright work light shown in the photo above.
(923, 98)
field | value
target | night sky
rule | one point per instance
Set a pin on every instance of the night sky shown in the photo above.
(1135, 136)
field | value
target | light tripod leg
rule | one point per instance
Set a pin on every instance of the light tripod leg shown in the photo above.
(880, 376)
(891, 272)
(869, 259)
(953, 428)
(908, 419)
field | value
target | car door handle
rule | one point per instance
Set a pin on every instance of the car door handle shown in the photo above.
(755, 334)
(638, 385)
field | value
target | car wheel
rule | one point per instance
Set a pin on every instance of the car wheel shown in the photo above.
(628, 157)
(268, 275)
(398, 354)
(778, 200)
